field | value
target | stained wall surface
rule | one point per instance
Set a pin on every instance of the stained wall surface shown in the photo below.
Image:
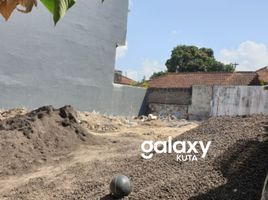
(176, 96)
(201, 102)
(72, 63)
(239, 100)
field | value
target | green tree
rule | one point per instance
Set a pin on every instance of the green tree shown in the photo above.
(157, 74)
(193, 59)
(142, 83)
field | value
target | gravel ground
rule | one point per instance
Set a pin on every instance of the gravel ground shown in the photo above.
(234, 169)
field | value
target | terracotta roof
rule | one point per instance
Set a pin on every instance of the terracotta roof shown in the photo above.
(262, 69)
(263, 74)
(124, 80)
(188, 79)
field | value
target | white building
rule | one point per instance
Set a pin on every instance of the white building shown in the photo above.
(72, 63)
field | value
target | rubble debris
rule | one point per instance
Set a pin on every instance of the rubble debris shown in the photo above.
(152, 117)
(98, 123)
(5, 114)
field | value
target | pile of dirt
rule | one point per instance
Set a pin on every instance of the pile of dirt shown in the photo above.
(235, 167)
(36, 137)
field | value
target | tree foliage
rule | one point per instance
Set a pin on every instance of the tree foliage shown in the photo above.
(143, 83)
(157, 74)
(57, 8)
(193, 59)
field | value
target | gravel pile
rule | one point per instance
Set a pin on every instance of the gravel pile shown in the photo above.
(234, 169)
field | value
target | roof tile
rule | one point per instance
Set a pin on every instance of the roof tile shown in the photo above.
(188, 79)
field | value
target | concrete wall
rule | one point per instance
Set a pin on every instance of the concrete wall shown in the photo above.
(207, 101)
(72, 63)
(227, 100)
(201, 102)
(128, 101)
(177, 96)
(168, 101)
(194, 104)
(239, 100)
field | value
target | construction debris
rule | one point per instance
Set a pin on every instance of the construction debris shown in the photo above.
(100, 123)
(12, 113)
(152, 117)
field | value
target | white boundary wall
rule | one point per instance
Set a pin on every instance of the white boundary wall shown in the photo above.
(239, 100)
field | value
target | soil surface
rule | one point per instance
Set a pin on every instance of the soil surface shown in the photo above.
(81, 152)
(38, 137)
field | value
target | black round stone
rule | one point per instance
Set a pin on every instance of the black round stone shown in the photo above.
(120, 186)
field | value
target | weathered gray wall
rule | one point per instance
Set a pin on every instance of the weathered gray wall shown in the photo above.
(72, 63)
(177, 96)
(201, 102)
(239, 100)
(209, 101)
(194, 104)
(227, 100)
(168, 101)
(128, 100)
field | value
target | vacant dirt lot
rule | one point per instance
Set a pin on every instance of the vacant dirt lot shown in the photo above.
(60, 154)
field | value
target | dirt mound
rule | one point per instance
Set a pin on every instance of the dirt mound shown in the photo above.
(35, 137)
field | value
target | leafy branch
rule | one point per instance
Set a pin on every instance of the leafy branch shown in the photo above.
(57, 8)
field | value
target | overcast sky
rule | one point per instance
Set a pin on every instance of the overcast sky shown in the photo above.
(237, 31)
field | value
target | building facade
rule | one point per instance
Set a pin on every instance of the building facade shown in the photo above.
(72, 63)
